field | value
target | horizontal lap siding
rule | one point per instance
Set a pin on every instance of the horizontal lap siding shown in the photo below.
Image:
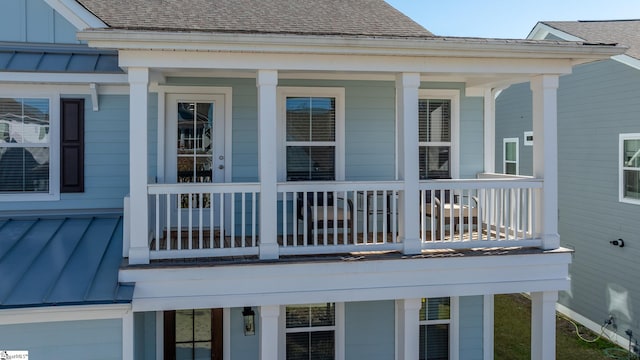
(471, 327)
(369, 330)
(513, 118)
(87, 340)
(596, 103)
(106, 158)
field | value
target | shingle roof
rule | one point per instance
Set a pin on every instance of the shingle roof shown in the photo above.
(69, 261)
(57, 58)
(317, 17)
(624, 32)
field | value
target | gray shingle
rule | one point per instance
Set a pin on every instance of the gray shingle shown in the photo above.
(623, 32)
(319, 17)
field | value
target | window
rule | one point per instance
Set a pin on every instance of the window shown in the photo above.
(510, 157)
(193, 334)
(26, 143)
(313, 132)
(437, 124)
(630, 168)
(435, 327)
(311, 331)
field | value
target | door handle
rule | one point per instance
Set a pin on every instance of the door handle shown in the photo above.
(220, 166)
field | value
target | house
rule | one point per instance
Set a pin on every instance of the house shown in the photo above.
(283, 181)
(598, 144)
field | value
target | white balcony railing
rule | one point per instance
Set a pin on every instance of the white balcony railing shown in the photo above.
(478, 213)
(214, 220)
(203, 220)
(337, 217)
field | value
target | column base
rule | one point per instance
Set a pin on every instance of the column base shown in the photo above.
(138, 255)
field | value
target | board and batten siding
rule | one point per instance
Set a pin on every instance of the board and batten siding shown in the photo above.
(34, 21)
(106, 157)
(596, 103)
(86, 339)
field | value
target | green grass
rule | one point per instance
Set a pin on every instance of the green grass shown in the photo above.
(513, 335)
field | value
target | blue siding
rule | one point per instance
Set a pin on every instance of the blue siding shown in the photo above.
(144, 335)
(513, 118)
(369, 330)
(34, 21)
(244, 347)
(87, 340)
(471, 326)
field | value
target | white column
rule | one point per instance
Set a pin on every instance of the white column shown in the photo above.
(408, 337)
(488, 325)
(138, 166)
(545, 156)
(127, 336)
(269, 323)
(407, 85)
(489, 131)
(266, 82)
(543, 325)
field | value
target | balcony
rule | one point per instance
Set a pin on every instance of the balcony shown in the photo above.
(222, 220)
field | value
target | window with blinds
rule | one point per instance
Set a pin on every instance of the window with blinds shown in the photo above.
(434, 136)
(630, 168)
(310, 331)
(435, 322)
(24, 145)
(310, 138)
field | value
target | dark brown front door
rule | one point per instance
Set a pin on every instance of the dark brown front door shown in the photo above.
(193, 334)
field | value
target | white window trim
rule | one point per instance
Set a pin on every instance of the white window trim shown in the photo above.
(527, 135)
(334, 92)
(54, 144)
(504, 155)
(454, 97)
(339, 334)
(621, 168)
(454, 327)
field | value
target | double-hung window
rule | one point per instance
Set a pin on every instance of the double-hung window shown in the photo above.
(510, 157)
(437, 124)
(435, 328)
(312, 120)
(311, 331)
(26, 143)
(629, 168)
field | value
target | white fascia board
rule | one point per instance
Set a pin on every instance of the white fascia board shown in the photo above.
(332, 62)
(288, 283)
(540, 31)
(76, 14)
(628, 60)
(63, 313)
(63, 78)
(297, 44)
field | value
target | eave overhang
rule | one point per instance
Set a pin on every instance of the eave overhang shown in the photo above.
(577, 52)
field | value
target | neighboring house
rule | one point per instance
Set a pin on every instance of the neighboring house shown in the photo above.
(598, 169)
(243, 180)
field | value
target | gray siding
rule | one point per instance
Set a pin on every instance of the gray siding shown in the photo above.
(596, 103)
(513, 118)
(88, 340)
(369, 330)
(471, 327)
(34, 21)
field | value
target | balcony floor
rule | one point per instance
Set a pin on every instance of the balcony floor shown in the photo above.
(208, 239)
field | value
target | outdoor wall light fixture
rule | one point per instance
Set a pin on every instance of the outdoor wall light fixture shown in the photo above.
(248, 316)
(619, 242)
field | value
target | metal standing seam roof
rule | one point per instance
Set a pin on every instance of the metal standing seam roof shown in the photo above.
(61, 261)
(624, 32)
(57, 59)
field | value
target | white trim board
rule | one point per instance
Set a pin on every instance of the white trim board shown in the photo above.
(592, 325)
(63, 313)
(76, 14)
